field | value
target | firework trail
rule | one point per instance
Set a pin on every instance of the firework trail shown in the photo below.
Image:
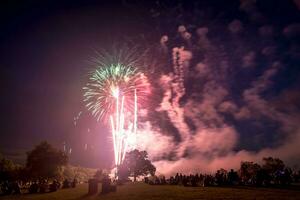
(180, 56)
(76, 118)
(174, 92)
(112, 94)
(122, 137)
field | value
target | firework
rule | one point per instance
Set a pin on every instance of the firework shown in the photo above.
(112, 94)
(122, 136)
(106, 83)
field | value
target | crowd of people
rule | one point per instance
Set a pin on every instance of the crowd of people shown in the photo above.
(192, 180)
(225, 178)
(40, 186)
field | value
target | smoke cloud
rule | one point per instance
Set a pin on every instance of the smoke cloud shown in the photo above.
(216, 90)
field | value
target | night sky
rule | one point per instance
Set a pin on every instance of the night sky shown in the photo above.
(242, 82)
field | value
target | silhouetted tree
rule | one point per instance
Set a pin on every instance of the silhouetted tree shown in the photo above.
(221, 177)
(262, 177)
(249, 172)
(45, 162)
(7, 169)
(274, 167)
(9, 174)
(136, 164)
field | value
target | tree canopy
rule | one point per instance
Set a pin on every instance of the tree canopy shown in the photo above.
(272, 165)
(7, 169)
(45, 162)
(136, 163)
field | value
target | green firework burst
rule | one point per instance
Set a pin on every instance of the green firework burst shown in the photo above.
(99, 91)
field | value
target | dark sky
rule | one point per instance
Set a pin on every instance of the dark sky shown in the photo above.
(45, 46)
(44, 49)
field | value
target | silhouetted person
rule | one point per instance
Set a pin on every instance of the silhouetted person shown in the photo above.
(146, 180)
(43, 186)
(184, 181)
(180, 179)
(285, 177)
(16, 188)
(66, 184)
(74, 183)
(93, 186)
(176, 179)
(54, 186)
(6, 188)
(206, 181)
(33, 188)
(197, 179)
(105, 185)
(193, 182)
(232, 177)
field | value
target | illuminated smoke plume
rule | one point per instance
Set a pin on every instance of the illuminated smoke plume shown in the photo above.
(224, 95)
(174, 91)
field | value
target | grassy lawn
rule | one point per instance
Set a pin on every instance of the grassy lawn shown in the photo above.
(140, 191)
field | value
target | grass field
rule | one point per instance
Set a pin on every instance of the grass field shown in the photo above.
(140, 191)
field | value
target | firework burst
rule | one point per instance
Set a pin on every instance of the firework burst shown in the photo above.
(114, 93)
(106, 83)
